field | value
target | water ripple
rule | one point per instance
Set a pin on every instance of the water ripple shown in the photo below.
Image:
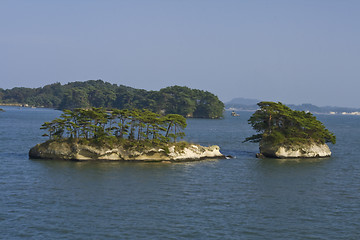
(240, 198)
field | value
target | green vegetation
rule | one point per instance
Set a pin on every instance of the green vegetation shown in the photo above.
(129, 127)
(97, 93)
(278, 124)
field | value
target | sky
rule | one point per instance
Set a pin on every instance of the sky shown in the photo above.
(293, 51)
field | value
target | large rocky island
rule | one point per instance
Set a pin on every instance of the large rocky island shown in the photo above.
(119, 135)
(286, 133)
(194, 103)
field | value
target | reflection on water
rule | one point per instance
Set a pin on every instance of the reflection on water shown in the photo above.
(302, 161)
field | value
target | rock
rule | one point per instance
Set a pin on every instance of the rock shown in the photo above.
(310, 150)
(80, 152)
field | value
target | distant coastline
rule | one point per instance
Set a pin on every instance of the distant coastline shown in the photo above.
(243, 104)
(14, 105)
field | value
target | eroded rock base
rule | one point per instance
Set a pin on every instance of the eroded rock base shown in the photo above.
(81, 152)
(310, 150)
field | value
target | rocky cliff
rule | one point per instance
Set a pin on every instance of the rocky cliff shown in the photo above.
(309, 150)
(80, 152)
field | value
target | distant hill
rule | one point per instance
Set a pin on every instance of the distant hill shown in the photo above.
(244, 101)
(251, 104)
(97, 93)
(325, 110)
(242, 104)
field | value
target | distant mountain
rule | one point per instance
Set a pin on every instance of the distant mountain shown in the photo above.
(242, 104)
(244, 101)
(251, 104)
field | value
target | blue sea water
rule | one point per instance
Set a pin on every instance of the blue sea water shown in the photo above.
(240, 198)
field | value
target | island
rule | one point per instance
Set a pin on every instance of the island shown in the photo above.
(190, 103)
(119, 135)
(286, 133)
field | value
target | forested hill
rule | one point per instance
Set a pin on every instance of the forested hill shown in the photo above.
(97, 93)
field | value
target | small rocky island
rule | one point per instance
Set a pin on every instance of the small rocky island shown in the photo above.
(119, 135)
(286, 133)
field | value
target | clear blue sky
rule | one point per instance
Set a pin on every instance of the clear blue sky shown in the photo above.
(299, 51)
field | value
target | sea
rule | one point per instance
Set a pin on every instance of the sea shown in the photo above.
(239, 198)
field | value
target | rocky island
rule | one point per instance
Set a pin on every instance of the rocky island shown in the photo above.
(119, 135)
(286, 133)
(78, 151)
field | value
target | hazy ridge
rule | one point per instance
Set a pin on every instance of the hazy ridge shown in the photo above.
(251, 105)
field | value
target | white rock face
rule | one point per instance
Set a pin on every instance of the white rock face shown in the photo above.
(195, 152)
(311, 150)
(81, 152)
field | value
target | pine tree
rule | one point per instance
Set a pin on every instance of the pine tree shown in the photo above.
(277, 123)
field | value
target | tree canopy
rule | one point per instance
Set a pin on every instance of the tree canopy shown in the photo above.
(277, 123)
(97, 93)
(101, 124)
